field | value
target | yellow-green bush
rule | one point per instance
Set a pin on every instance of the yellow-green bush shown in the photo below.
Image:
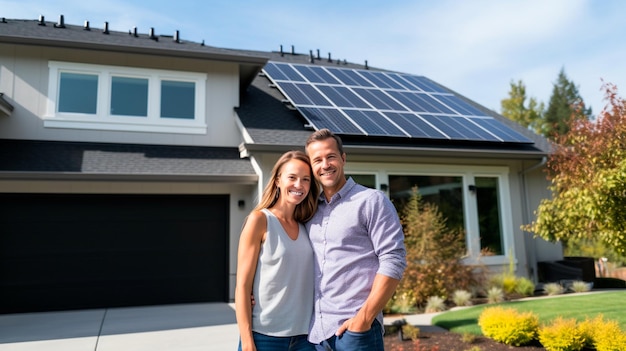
(509, 283)
(587, 329)
(525, 287)
(561, 335)
(508, 326)
(596, 334)
(609, 337)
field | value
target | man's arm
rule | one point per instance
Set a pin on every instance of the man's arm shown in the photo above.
(388, 241)
(382, 290)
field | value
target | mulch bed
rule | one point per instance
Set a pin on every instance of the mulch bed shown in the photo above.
(449, 341)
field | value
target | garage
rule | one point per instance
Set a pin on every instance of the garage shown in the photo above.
(79, 251)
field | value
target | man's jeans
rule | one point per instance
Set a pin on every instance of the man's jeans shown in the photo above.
(275, 343)
(371, 340)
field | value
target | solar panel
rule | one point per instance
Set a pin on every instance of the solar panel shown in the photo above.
(343, 97)
(332, 119)
(415, 127)
(389, 104)
(373, 123)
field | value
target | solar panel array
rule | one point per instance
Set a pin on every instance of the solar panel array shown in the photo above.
(373, 103)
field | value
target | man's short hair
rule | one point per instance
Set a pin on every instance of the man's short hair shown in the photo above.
(324, 134)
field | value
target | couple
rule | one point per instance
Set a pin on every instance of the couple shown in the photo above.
(324, 267)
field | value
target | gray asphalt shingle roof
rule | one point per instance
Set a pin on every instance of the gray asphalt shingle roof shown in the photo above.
(124, 160)
(34, 32)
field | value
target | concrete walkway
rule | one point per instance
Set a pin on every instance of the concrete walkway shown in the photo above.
(205, 326)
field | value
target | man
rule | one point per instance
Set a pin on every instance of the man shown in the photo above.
(359, 251)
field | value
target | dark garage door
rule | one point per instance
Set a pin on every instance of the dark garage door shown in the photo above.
(60, 252)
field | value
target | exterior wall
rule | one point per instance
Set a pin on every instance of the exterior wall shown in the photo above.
(236, 193)
(526, 187)
(538, 249)
(24, 79)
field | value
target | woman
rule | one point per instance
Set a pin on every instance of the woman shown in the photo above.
(275, 261)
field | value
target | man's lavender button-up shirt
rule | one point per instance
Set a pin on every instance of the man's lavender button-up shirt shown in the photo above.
(355, 235)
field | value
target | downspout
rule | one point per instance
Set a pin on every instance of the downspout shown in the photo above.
(531, 254)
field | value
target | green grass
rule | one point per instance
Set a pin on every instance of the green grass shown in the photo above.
(610, 304)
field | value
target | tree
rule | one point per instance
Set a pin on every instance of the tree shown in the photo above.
(515, 108)
(565, 104)
(434, 254)
(588, 180)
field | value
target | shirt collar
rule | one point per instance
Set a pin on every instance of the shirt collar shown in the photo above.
(350, 183)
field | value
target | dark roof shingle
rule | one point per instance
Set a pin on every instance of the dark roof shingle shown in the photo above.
(122, 159)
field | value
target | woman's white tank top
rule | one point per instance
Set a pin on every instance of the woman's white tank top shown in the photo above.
(283, 283)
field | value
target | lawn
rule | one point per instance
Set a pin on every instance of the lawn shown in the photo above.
(610, 304)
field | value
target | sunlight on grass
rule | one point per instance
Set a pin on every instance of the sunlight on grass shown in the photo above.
(611, 304)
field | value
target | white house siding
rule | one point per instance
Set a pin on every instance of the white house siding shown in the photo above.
(24, 80)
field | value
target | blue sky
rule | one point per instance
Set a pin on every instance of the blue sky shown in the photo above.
(473, 47)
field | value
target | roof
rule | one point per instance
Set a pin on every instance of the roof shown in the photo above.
(267, 122)
(68, 160)
(271, 125)
(61, 35)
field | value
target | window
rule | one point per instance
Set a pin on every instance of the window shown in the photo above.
(88, 96)
(473, 199)
(129, 96)
(446, 192)
(368, 180)
(177, 99)
(78, 92)
(488, 205)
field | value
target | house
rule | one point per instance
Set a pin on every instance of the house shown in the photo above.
(129, 161)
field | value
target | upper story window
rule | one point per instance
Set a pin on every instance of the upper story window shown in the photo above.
(88, 96)
(78, 93)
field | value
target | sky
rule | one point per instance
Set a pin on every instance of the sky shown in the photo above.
(474, 47)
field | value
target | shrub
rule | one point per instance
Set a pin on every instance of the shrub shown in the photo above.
(435, 304)
(553, 289)
(403, 302)
(468, 338)
(495, 295)
(462, 298)
(587, 329)
(609, 337)
(433, 252)
(561, 335)
(580, 286)
(508, 326)
(525, 287)
(509, 283)
(410, 332)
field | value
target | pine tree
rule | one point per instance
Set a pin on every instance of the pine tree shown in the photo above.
(515, 108)
(434, 253)
(565, 104)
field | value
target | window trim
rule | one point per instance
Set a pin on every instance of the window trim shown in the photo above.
(103, 120)
(468, 174)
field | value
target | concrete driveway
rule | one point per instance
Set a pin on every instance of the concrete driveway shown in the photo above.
(205, 326)
(188, 327)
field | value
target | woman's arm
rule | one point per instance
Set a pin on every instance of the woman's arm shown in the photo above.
(252, 235)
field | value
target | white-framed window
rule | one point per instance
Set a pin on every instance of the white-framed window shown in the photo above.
(474, 199)
(86, 96)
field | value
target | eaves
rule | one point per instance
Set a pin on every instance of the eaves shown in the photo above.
(245, 179)
(247, 149)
